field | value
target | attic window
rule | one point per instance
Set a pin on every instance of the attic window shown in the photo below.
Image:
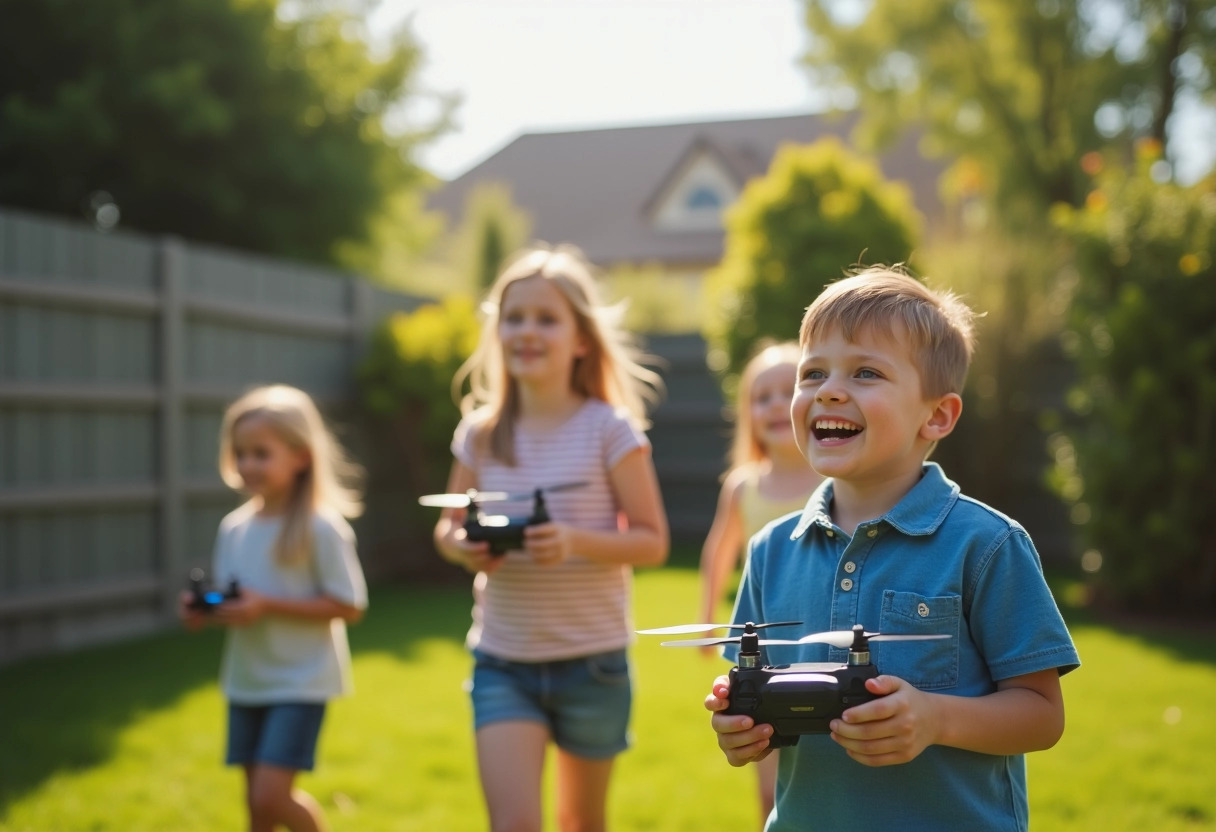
(703, 198)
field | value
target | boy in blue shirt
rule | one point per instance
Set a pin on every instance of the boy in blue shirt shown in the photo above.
(888, 542)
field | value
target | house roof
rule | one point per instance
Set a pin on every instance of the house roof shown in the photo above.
(594, 187)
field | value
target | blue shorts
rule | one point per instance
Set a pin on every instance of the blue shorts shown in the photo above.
(279, 735)
(584, 702)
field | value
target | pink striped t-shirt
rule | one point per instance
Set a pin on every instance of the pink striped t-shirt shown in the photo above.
(527, 612)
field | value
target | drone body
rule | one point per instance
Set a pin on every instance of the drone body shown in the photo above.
(795, 699)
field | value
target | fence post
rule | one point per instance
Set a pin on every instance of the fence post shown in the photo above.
(171, 267)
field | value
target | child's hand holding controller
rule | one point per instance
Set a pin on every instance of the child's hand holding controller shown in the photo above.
(473, 555)
(891, 730)
(741, 740)
(192, 618)
(548, 543)
(241, 611)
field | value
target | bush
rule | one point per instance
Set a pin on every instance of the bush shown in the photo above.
(1137, 462)
(817, 211)
(405, 383)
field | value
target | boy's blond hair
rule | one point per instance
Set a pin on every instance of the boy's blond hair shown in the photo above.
(938, 324)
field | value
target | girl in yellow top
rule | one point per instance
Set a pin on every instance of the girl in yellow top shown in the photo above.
(768, 478)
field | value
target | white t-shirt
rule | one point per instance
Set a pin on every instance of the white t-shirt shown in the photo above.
(283, 658)
(525, 611)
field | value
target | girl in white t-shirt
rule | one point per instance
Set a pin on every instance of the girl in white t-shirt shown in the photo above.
(292, 556)
(557, 396)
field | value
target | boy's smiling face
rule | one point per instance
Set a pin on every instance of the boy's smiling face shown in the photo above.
(859, 411)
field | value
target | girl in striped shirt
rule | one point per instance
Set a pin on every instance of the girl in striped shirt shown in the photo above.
(556, 396)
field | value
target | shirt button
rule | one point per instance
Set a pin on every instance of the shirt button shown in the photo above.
(922, 609)
(850, 567)
(846, 584)
(871, 532)
(830, 533)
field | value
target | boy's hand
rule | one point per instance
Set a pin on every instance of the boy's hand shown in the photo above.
(741, 740)
(891, 730)
(547, 543)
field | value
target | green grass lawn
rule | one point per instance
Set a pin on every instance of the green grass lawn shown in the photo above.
(130, 737)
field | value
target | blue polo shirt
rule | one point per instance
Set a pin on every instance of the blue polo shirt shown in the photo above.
(938, 562)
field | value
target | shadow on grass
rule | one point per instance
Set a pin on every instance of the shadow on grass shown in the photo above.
(401, 616)
(1191, 640)
(65, 713)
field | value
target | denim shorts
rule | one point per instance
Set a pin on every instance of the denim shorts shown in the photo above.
(279, 735)
(584, 702)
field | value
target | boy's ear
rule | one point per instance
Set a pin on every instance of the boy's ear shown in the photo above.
(943, 417)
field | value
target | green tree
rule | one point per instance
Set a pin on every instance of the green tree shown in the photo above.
(224, 121)
(818, 210)
(1016, 91)
(405, 383)
(1137, 458)
(492, 229)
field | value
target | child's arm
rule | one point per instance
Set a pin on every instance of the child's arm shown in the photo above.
(643, 542)
(251, 606)
(1025, 713)
(449, 534)
(721, 550)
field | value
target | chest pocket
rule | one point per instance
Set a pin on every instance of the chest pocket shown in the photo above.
(930, 664)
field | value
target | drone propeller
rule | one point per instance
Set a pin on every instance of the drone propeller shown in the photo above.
(846, 638)
(528, 495)
(474, 496)
(702, 628)
(709, 642)
(462, 500)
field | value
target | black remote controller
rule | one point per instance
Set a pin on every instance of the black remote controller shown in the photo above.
(205, 598)
(503, 532)
(800, 698)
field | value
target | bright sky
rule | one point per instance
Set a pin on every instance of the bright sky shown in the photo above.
(522, 65)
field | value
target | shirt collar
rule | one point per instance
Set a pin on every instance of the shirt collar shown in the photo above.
(920, 511)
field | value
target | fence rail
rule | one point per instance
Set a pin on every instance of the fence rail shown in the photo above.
(118, 354)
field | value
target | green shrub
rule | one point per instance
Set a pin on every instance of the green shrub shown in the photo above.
(405, 384)
(1137, 462)
(658, 302)
(819, 210)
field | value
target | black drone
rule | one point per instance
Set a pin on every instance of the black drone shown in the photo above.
(503, 532)
(795, 699)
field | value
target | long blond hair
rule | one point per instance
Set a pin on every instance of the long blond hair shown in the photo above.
(328, 482)
(611, 370)
(746, 448)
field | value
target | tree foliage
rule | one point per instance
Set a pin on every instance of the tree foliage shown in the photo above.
(405, 383)
(818, 210)
(1016, 91)
(1136, 461)
(220, 120)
